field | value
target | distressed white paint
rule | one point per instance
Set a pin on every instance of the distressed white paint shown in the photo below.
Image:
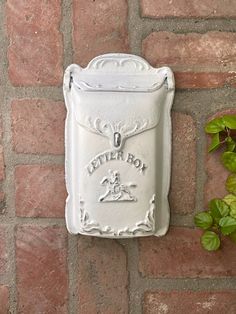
(118, 147)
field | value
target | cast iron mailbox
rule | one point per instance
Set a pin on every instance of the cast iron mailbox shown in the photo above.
(118, 147)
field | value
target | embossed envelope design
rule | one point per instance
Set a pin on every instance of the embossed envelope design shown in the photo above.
(118, 147)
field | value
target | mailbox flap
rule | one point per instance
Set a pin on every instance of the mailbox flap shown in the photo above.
(118, 117)
(117, 120)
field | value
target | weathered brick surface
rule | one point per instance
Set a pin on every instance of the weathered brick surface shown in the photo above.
(2, 170)
(216, 177)
(191, 302)
(35, 50)
(216, 173)
(40, 191)
(204, 80)
(188, 9)
(183, 178)
(99, 27)
(179, 254)
(38, 126)
(2, 163)
(196, 58)
(4, 295)
(41, 269)
(103, 277)
(2, 195)
(3, 250)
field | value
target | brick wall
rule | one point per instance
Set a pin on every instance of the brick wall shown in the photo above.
(43, 269)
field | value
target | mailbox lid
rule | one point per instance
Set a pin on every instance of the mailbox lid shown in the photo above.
(118, 190)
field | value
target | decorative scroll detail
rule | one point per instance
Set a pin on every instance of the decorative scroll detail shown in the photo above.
(115, 190)
(145, 226)
(119, 87)
(91, 226)
(120, 65)
(135, 63)
(116, 131)
(126, 130)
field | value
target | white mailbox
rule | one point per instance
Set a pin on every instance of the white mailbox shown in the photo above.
(118, 147)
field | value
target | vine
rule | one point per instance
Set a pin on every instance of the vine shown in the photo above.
(220, 218)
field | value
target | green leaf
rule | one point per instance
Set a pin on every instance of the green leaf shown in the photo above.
(215, 142)
(230, 121)
(231, 184)
(229, 161)
(229, 198)
(228, 225)
(215, 126)
(233, 210)
(230, 143)
(210, 241)
(233, 236)
(203, 220)
(218, 208)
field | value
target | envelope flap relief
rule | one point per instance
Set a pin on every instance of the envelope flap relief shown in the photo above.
(117, 96)
(116, 127)
(118, 131)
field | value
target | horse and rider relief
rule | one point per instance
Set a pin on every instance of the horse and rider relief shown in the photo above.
(115, 190)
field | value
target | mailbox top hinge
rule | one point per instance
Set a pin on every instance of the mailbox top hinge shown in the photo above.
(126, 74)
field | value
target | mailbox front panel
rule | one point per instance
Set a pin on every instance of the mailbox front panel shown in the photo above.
(118, 147)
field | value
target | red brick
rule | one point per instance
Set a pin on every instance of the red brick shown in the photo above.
(3, 251)
(2, 195)
(199, 60)
(4, 295)
(40, 191)
(99, 27)
(1, 128)
(41, 269)
(38, 126)
(35, 50)
(2, 203)
(103, 276)
(188, 9)
(216, 173)
(201, 302)
(204, 80)
(216, 177)
(183, 178)
(2, 163)
(179, 254)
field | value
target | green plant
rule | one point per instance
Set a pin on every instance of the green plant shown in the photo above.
(220, 218)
